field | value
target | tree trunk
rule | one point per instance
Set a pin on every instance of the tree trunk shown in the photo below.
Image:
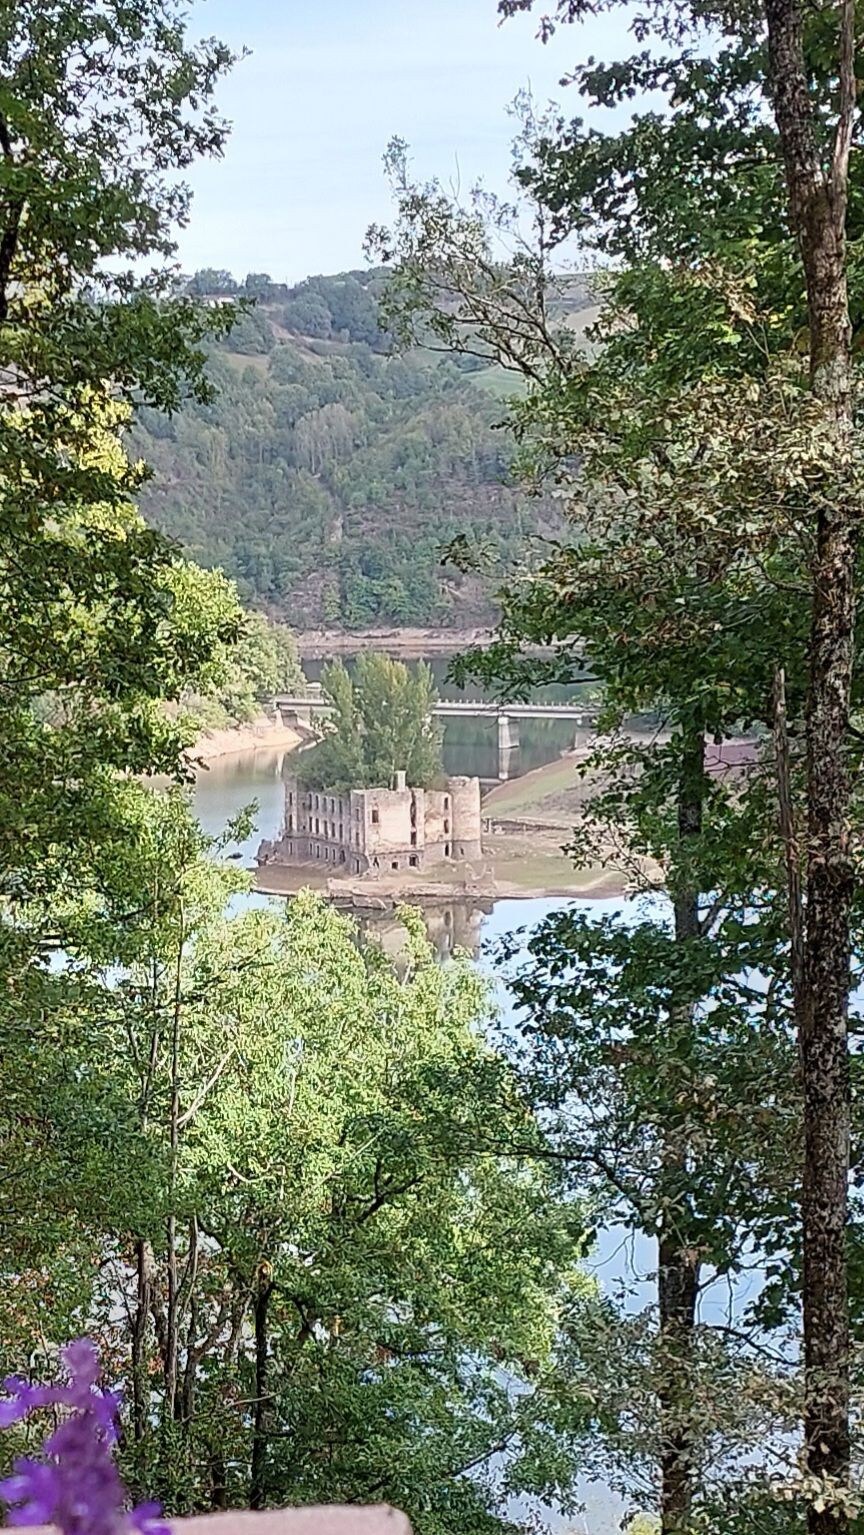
(139, 1337)
(186, 1404)
(258, 1478)
(172, 1349)
(822, 1025)
(218, 1481)
(678, 1287)
(678, 1267)
(817, 204)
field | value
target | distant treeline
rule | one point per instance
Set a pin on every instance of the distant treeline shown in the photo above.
(327, 475)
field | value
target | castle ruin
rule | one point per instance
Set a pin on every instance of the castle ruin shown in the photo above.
(379, 830)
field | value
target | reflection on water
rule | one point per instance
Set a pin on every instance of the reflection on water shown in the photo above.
(452, 927)
(229, 784)
(471, 746)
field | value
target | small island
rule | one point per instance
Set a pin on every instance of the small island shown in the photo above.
(369, 802)
(370, 816)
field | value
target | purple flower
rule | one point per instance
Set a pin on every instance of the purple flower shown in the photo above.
(33, 1488)
(75, 1485)
(147, 1520)
(23, 1399)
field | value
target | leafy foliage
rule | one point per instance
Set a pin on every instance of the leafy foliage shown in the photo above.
(260, 664)
(691, 457)
(348, 1227)
(382, 725)
(96, 629)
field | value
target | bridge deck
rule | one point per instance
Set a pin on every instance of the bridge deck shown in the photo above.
(447, 708)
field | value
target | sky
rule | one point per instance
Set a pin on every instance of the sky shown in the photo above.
(326, 84)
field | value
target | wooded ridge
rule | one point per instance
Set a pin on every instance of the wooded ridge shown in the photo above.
(328, 473)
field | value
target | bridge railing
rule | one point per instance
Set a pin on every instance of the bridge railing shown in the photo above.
(455, 708)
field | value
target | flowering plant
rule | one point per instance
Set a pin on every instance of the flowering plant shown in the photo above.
(75, 1484)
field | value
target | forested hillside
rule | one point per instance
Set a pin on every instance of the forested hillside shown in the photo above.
(327, 474)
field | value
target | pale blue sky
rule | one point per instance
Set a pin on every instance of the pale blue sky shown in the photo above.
(327, 84)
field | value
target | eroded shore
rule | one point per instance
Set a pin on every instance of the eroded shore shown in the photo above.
(263, 734)
(410, 644)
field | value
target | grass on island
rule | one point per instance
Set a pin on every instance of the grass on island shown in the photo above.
(528, 792)
(552, 873)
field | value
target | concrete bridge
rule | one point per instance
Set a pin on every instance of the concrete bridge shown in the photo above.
(303, 708)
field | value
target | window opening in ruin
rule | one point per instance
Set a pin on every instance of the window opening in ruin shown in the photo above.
(414, 838)
(446, 801)
(374, 817)
(414, 860)
(446, 849)
(395, 864)
(446, 827)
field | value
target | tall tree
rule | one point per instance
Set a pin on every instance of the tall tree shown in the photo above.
(674, 547)
(810, 86)
(382, 725)
(100, 105)
(804, 68)
(817, 177)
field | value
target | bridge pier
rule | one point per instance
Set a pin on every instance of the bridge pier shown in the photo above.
(508, 742)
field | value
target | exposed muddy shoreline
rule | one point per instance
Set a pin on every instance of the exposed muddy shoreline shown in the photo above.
(263, 734)
(385, 894)
(413, 644)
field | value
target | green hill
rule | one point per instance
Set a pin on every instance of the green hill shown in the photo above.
(327, 475)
